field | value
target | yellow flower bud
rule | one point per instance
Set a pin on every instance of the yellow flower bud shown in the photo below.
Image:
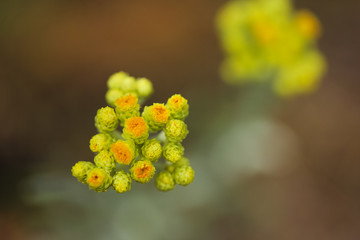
(164, 181)
(176, 130)
(111, 95)
(127, 106)
(99, 180)
(308, 25)
(184, 175)
(178, 107)
(144, 87)
(151, 150)
(142, 171)
(106, 120)
(116, 80)
(100, 142)
(105, 160)
(80, 170)
(122, 182)
(156, 116)
(173, 152)
(136, 129)
(123, 151)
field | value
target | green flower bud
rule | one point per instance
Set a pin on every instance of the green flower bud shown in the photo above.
(80, 170)
(164, 181)
(98, 180)
(128, 85)
(178, 107)
(124, 151)
(105, 160)
(142, 171)
(170, 167)
(100, 142)
(106, 120)
(144, 87)
(182, 162)
(173, 152)
(135, 128)
(184, 175)
(116, 80)
(151, 150)
(127, 106)
(176, 130)
(156, 116)
(122, 181)
(111, 95)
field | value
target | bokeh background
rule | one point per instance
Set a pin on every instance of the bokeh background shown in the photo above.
(266, 168)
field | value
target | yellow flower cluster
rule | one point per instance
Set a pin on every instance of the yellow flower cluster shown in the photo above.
(129, 154)
(265, 40)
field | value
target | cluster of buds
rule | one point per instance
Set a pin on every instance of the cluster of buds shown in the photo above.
(266, 40)
(133, 152)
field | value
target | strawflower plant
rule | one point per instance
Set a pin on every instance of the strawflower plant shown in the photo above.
(130, 142)
(266, 40)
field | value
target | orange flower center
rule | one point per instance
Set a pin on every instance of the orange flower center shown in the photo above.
(177, 101)
(136, 126)
(126, 102)
(95, 179)
(307, 24)
(121, 152)
(160, 113)
(143, 171)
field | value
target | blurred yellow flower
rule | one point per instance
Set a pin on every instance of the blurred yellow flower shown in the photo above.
(265, 40)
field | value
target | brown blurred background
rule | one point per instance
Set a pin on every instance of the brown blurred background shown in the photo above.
(55, 58)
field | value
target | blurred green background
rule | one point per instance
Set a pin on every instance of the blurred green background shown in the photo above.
(266, 168)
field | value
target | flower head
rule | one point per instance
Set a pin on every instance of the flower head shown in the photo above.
(116, 80)
(80, 170)
(128, 84)
(308, 25)
(173, 152)
(106, 120)
(135, 128)
(105, 160)
(178, 107)
(151, 150)
(100, 142)
(159, 113)
(142, 171)
(123, 151)
(184, 175)
(176, 130)
(182, 162)
(164, 181)
(122, 181)
(98, 180)
(263, 38)
(126, 102)
(302, 76)
(127, 106)
(111, 95)
(156, 116)
(144, 87)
